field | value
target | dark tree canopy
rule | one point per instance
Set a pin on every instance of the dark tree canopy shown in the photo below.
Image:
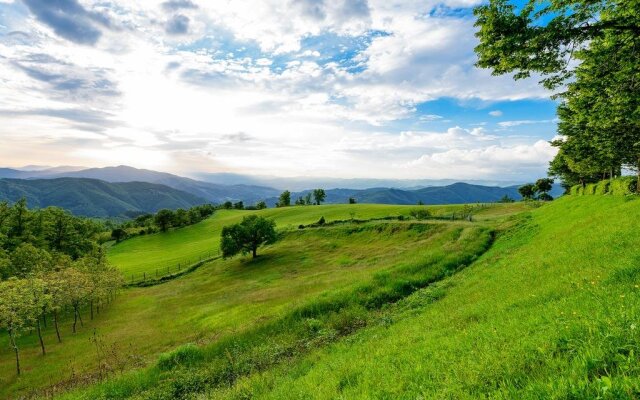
(246, 236)
(163, 219)
(319, 195)
(527, 191)
(285, 199)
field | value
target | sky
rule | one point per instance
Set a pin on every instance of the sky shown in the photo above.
(324, 88)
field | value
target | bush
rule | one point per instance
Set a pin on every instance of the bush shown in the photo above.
(575, 190)
(602, 187)
(421, 213)
(623, 186)
(590, 188)
(321, 221)
(187, 354)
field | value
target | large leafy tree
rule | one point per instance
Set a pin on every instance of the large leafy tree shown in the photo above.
(596, 43)
(543, 36)
(246, 236)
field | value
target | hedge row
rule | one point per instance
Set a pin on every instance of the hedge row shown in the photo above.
(618, 187)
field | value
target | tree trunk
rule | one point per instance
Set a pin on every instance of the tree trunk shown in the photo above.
(40, 337)
(255, 251)
(80, 318)
(55, 323)
(91, 306)
(44, 319)
(75, 318)
(638, 181)
(12, 339)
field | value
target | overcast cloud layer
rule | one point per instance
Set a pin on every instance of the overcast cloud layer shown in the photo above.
(342, 88)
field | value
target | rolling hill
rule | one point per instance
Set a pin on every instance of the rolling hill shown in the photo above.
(211, 192)
(528, 301)
(96, 198)
(252, 190)
(456, 193)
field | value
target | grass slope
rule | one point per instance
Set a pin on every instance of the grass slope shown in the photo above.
(225, 298)
(552, 310)
(146, 254)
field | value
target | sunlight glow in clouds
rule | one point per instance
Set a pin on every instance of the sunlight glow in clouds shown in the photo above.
(344, 88)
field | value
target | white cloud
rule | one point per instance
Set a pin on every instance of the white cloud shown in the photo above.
(178, 99)
(495, 113)
(510, 124)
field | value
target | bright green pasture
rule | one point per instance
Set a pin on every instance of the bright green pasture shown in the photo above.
(552, 310)
(227, 297)
(151, 253)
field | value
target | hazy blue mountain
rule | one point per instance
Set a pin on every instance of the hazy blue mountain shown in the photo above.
(213, 193)
(299, 184)
(96, 198)
(456, 193)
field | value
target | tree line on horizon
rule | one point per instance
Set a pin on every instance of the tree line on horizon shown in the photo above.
(589, 53)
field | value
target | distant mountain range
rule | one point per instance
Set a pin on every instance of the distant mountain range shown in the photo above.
(301, 183)
(96, 198)
(214, 193)
(113, 191)
(457, 193)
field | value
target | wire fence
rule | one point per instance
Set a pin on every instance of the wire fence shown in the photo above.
(168, 271)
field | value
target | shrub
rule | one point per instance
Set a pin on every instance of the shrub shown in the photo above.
(602, 187)
(575, 190)
(187, 354)
(590, 188)
(321, 221)
(623, 186)
(421, 213)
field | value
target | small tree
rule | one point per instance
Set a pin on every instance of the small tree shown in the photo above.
(307, 199)
(352, 200)
(527, 191)
(16, 312)
(227, 205)
(543, 186)
(506, 199)
(118, 234)
(261, 205)
(246, 236)
(318, 196)
(285, 199)
(239, 205)
(163, 219)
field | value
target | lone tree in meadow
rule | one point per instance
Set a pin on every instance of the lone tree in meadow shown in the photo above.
(527, 191)
(246, 236)
(318, 196)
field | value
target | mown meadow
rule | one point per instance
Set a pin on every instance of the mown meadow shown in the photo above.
(227, 298)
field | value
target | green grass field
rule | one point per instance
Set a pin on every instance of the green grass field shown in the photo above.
(551, 310)
(526, 302)
(162, 252)
(227, 297)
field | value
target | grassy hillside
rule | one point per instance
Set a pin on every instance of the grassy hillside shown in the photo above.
(228, 297)
(552, 310)
(95, 198)
(146, 254)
